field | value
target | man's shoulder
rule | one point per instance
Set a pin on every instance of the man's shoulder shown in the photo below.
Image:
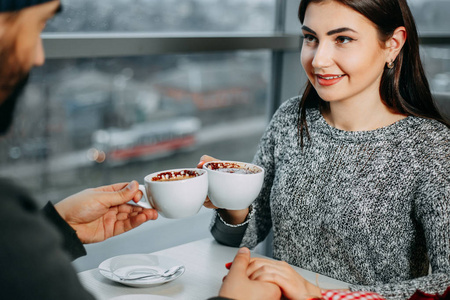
(9, 186)
(14, 196)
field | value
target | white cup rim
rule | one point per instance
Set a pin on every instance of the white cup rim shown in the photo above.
(148, 177)
(250, 165)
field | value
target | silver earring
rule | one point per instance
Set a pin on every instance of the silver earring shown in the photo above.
(390, 64)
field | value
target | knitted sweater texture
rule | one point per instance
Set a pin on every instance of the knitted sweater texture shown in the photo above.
(371, 208)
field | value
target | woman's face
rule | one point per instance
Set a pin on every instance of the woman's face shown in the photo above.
(342, 54)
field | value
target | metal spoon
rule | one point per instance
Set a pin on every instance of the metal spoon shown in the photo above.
(168, 273)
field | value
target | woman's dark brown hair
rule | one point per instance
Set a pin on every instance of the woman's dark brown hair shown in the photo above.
(404, 88)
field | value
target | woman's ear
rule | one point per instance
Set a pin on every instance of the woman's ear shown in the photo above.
(395, 44)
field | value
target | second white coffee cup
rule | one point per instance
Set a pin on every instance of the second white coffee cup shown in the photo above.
(236, 188)
(176, 193)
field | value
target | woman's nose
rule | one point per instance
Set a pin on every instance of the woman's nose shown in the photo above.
(322, 56)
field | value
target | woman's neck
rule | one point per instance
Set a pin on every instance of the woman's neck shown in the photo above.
(360, 116)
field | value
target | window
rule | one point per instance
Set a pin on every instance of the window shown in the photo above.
(119, 78)
(431, 16)
(165, 16)
(90, 120)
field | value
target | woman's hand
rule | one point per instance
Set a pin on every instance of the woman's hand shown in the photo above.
(229, 216)
(100, 213)
(237, 285)
(292, 284)
(204, 159)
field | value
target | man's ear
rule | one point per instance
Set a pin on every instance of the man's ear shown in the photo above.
(395, 44)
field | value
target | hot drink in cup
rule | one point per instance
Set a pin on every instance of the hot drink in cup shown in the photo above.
(233, 185)
(175, 194)
(234, 167)
(175, 175)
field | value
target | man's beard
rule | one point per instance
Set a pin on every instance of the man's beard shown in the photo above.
(8, 106)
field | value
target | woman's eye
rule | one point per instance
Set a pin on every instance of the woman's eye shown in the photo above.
(309, 38)
(343, 40)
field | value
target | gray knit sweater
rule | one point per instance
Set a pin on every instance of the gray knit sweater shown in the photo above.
(370, 208)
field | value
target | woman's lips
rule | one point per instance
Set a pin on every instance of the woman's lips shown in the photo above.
(328, 79)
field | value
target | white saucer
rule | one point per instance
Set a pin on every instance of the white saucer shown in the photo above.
(123, 265)
(141, 297)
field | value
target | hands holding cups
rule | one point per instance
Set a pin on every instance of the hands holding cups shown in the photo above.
(232, 187)
(179, 193)
(176, 193)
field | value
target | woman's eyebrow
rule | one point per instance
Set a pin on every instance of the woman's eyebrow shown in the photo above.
(331, 32)
(339, 30)
(306, 28)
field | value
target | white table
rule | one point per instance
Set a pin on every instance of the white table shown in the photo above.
(205, 267)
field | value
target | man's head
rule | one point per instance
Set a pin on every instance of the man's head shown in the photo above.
(21, 24)
(15, 5)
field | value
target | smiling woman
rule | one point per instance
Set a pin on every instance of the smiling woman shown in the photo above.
(357, 167)
(376, 59)
(345, 60)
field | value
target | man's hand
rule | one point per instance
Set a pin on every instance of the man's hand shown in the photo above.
(100, 213)
(292, 285)
(237, 285)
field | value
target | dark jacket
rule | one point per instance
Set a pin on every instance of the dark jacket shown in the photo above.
(36, 250)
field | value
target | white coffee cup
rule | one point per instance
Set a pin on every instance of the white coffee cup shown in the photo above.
(172, 197)
(236, 190)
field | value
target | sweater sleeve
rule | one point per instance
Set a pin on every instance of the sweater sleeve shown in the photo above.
(71, 243)
(227, 234)
(255, 229)
(33, 263)
(432, 212)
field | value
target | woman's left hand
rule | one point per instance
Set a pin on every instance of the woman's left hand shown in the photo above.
(292, 284)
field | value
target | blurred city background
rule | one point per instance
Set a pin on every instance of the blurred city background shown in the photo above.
(86, 122)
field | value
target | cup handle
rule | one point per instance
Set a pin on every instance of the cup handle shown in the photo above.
(144, 201)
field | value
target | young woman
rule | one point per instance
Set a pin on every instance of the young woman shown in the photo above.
(356, 187)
